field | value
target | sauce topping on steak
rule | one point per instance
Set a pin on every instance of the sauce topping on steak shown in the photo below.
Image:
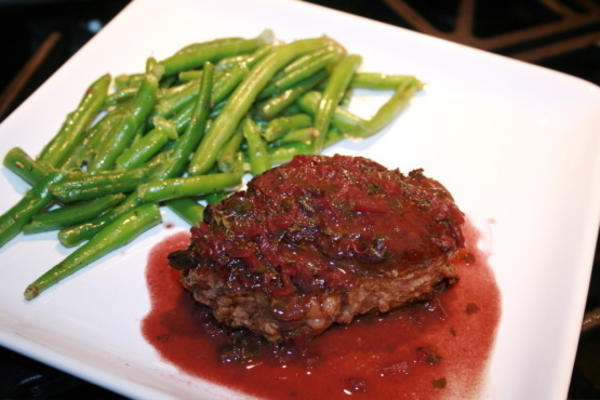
(318, 241)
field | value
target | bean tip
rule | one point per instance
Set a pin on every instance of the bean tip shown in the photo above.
(267, 36)
(31, 292)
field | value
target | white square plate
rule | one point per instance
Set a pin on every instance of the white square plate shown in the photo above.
(517, 145)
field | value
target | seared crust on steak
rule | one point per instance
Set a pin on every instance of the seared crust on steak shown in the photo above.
(311, 314)
(319, 241)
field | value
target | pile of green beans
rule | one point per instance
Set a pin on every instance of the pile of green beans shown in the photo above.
(183, 133)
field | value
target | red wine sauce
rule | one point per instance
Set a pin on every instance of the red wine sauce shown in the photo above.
(429, 350)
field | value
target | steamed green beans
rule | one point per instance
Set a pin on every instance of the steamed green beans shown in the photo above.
(242, 99)
(148, 145)
(390, 109)
(209, 44)
(131, 121)
(189, 210)
(115, 235)
(274, 106)
(299, 135)
(193, 57)
(377, 81)
(72, 214)
(302, 72)
(333, 93)
(281, 126)
(174, 165)
(76, 234)
(342, 119)
(87, 187)
(35, 200)
(230, 158)
(59, 148)
(186, 130)
(24, 166)
(257, 148)
(228, 82)
(183, 187)
(189, 141)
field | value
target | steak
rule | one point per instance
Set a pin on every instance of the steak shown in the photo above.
(319, 241)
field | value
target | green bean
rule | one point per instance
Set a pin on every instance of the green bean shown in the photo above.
(59, 148)
(115, 235)
(73, 235)
(228, 82)
(107, 152)
(159, 159)
(191, 75)
(291, 110)
(98, 135)
(85, 186)
(334, 91)
(347, 98)
(292, 67)
(299, 135)
(154, 68)
(334, 136)
(128, 81)
(167, 81)
(258, 55)
(278, 127)
(141, 131)
(72, 214)
(145, 99)
(37, 198)
(196, 57)
(257, 148)
(226, 63)
(274, 106)
(390, 109)
(229, 159)
(124, 133)
(189, 210)
(247, 59)
(215, 198)
(372, 80)
(178, 90)
(303, 60)
(188, 142)
(241, 100)
(182, 119)
(120, 96)
(286, 152)
(225, 83)
(302, 72)
(178, 159)
(25, 167)
(172, 103)
(211, 43)
(217, 109)
(342, 119)
(148, 145)
(94, 137)
(75, 161)
(183, 187)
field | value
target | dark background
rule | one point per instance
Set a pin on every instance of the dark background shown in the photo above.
(28, 25)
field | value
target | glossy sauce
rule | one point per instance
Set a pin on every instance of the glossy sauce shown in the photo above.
(426, 351)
